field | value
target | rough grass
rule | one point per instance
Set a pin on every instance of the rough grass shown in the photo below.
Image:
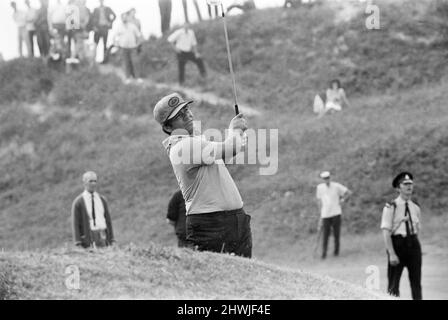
(158, 272)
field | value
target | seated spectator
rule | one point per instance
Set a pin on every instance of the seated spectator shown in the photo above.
(335, 97)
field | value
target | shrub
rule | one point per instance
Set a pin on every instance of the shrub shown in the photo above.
(24, 80)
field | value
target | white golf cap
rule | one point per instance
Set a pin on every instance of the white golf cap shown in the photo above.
(325, 174)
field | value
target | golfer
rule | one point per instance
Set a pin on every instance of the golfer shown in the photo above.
(401, 224)
(216, 220)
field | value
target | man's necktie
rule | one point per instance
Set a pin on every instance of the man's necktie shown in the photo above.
(93, 211)
(409, 224)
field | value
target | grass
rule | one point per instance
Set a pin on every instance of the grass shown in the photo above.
(157, 272)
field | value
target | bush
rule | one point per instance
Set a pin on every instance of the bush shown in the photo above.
(24, 80)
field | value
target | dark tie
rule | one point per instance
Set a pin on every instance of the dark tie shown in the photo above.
(409, 224)
(93, 211)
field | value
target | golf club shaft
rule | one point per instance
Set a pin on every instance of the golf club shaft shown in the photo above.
(230, 60)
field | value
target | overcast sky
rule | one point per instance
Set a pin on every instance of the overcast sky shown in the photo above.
(147, 12)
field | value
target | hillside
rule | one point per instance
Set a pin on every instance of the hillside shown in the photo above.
(157, 272)
(55, 127)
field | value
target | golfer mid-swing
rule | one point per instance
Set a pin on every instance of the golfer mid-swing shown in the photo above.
(216, 220)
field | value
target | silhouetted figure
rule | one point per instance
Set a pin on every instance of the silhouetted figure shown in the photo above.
(176, 216)
(165, 7)
(102, 20)
(43, 29)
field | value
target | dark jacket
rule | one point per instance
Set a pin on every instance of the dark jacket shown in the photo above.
(41, 22)
(177, 213)
(81, 226)
(110, 17)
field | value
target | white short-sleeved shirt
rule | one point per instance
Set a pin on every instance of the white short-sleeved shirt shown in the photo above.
(330, 197)
(184, 40)
(206, 184)
(392, 218)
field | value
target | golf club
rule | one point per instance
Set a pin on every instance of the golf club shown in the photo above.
(229, 56)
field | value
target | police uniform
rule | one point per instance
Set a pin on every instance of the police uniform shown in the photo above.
(402, 219)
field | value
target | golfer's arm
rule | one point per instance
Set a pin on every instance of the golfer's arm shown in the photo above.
(230, 147)
(388, 241)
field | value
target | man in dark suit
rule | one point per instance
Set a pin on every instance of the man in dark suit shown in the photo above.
(102, 19)
(91, 222)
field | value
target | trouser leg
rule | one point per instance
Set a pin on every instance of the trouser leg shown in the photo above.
(200, 64)
(127, 60)
(20, 39)
(181, 60)
(31, 42)
(336, 233)
(326, 225)
(414, 265)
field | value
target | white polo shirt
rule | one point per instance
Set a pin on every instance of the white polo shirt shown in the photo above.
(330, 197)
(184, 40)
(206, 184)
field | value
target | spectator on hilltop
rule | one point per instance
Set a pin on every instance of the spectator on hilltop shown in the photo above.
(176, 216)
(31, 16)
(102, 20)
(133, 19)
(43, 29)
(81, 33)
(19, 17)
(128, 38)
(185, 45)
(91, 221)
(57, 20)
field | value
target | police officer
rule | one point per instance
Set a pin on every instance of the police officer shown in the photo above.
(401, 224)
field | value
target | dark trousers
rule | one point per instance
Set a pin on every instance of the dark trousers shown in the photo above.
(409, 252)
(31, 35)
(224, 232)
(102, 33)
(183, 58)
(328, 224)
(182, 241)
(127, 62)
(165, 12)
(43, 41)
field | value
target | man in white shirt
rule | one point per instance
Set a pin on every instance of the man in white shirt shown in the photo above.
(184, 43)
(329, 196)
(128, 37)
(400, 223)
(216, 220)
(19, 17)
(91, 222)
(31, 16)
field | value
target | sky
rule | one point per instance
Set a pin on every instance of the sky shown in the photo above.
(147, 12)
